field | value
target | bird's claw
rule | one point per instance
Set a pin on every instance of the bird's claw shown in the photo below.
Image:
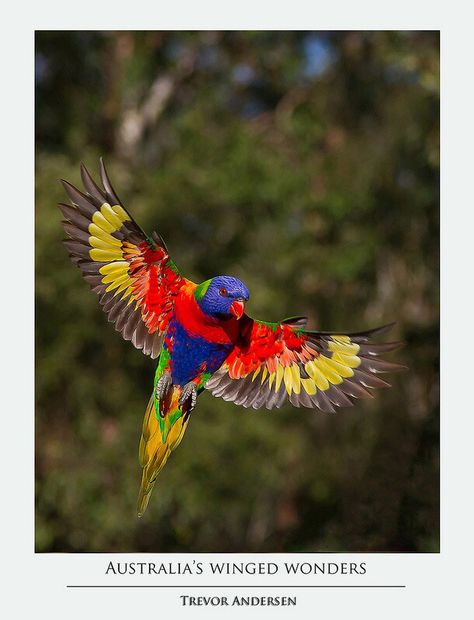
(163, 385)
(189, 393)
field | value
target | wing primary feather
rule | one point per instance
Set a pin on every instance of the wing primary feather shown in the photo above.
(252, 394)
(156, 345)
(159, 240)
(131, 325)
(123, 317)
(369, 380)
(76, 233)
(298, 322)
(379, 366)
(112, 197)
(337, 397)
(93, 280)
(374, 349)
(76, 248)
(305, 400)
(140, 335)
(295, 400)
(323, 402)
(353, 389)
(364, 335)
(91, 187)
(87, 205)
(73, 215)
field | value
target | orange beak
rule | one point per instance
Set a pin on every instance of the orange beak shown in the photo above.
(237, 308)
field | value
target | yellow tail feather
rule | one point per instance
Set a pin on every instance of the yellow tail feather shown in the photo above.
(153, 452)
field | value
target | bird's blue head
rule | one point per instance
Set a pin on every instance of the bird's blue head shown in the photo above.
(222, 297)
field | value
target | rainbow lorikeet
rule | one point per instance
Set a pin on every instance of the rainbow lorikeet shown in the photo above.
(200, 333)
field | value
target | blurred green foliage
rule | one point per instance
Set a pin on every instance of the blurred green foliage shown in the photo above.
(306, 164)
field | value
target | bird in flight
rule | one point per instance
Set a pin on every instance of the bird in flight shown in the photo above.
(200, 333)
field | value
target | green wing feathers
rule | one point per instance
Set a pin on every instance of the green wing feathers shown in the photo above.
(161, 434)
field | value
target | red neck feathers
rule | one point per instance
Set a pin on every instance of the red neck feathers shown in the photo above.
(196, 323)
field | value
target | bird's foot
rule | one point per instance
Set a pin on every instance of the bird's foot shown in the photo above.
(189, 395)
(163, 385)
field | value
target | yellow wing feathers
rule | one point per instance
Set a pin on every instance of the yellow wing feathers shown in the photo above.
(325, 371)
(318, 373)
(107, 220)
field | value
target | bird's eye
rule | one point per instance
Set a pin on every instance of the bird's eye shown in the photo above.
(223, 292)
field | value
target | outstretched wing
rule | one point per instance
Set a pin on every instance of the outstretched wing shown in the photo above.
(131, 273)
(274, 362)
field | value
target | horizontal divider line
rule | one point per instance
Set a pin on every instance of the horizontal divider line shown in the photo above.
(235, 586)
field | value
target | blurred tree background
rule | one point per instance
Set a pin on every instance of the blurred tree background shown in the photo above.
(305, 163)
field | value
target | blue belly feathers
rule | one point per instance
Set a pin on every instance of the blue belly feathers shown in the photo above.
(191, 355)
